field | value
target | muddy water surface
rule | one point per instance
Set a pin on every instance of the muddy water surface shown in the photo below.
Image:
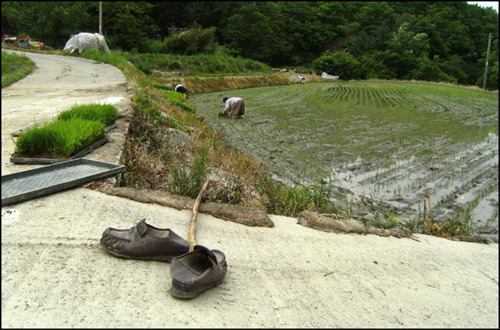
(390, 142)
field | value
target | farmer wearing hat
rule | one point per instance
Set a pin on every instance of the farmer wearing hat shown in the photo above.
(179, 88)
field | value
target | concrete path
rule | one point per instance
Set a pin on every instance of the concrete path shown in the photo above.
(56, 84)
(55, 274)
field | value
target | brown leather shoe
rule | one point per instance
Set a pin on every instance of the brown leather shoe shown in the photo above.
(144, 242)
(197, 271)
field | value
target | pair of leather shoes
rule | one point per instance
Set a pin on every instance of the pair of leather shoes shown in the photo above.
(192, 272)
(197, 271)
(144, 242)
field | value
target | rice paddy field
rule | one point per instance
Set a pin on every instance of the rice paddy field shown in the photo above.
(390, 142)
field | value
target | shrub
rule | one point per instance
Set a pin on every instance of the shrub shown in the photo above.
(154, 46)
(187, 180)
(428, 70)
(342, 64)
(192, 41)
(375, 65)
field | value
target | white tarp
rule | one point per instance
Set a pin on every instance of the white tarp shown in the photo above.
(329, 76)
(84, 40)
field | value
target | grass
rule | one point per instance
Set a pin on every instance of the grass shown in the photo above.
(290, 201)
(461, 224)
(178, 100)
(105, 114)
(187, 181)
(145, 105)
(118, 60)
(76, 128)
(197, 65)
(59, 139)
(14, 68)
(210, 84)
(162, 86)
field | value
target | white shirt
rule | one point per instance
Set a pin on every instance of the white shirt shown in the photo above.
(230, 102)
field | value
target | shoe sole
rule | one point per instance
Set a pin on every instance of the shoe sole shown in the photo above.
(152, 258)
(189, 294)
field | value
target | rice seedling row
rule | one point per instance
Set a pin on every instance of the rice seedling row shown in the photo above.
(386, 140)
(74, 130)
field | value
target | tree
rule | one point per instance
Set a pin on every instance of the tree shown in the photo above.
(52, 22)
(428, 70)
(311, 27)
(341, 64)
(378, 65)
(387, 38)
(255, 35)
(190, 42)
(409, 47)
(492, 82)
(129, 24)
(455, 66)
(376, 25)
(183, 14)
(492, 75)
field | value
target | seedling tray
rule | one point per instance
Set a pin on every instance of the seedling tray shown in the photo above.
(26, 185)
(45, 161)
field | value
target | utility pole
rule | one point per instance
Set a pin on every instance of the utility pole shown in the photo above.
(490, 36)
(100, 18)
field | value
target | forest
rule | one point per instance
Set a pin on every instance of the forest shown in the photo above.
(443, 41)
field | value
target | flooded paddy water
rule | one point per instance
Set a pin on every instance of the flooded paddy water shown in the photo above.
(390, 142)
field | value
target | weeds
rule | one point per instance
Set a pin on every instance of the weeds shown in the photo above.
(290, 201)
(187, 180)
(387, 221)
(232, 194)
(459, 225)
(143, 103)
(14, 68)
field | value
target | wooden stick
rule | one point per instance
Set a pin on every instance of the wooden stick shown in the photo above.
(194, 215)
(430, 208)
(425, 209)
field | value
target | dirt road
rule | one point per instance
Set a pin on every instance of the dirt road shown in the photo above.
(56, 84)
(54, 273)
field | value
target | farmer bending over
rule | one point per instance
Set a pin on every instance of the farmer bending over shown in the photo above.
(179, 88)
(234, 106)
